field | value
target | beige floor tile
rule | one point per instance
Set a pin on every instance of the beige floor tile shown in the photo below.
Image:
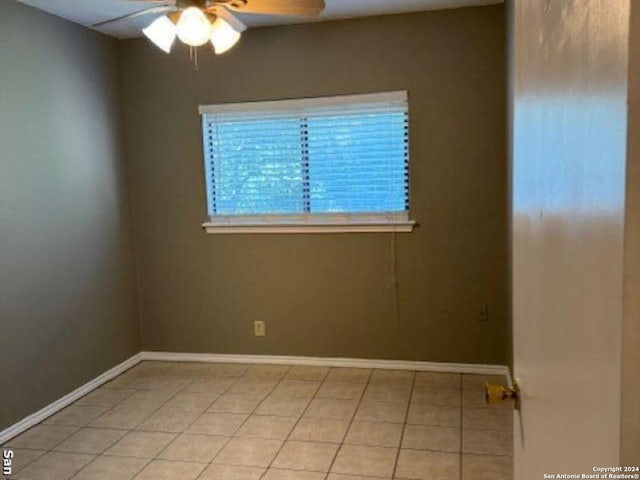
(229, 403)
(141, 444)
(250, 452)
(392, 377)
(474, 398)
(23, 457)
(331, 408)
(349, 375)
(192, 402)
(270, 427)
(91, 440)
(387, 393)
(390, 412)
(478, 381)
(487, 418)
(55, 466)
(191, 369)
(362, 460)
(140, 371)
(213, 385)
(320, 430)
(425, 414)
(437, 395)
(268, 371)
(146, 399)
(126, 381)
(165, 383)
(424, 437)
(278, 474)
(107, 467)
(213, 402)
(449, 379)
(229, 369)
(481, 467)
(166, 470)
(308, 456)
(302, 372)
(144, 369)
(168, 420)
(296, 388)
(159, 371)
(422, 465)
(122, 417)
(131, 375)
(194, 448)
(231, 472)
(217, 424)
(105, 397)
(42, 437)
(150, 367)
(257, 387)
(341, 390)
(340, 476)
(489, 442)
(283, 406)
(374, 434)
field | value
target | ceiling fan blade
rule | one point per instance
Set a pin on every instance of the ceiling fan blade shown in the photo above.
(148, 11)
(228, 17)
(307, 8)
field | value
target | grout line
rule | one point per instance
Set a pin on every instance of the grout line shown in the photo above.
(245, 420)
(192, 380)
(353, 416)
(295, 425)
(79, 428)
(141, 389)
(138, 389)
(404, 425)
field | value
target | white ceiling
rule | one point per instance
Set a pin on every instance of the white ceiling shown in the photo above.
(89, 12)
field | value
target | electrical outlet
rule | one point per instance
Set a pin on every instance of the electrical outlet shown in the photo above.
(259, 328)
(483, 313)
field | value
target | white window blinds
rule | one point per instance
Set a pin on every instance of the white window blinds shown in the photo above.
(336, 157)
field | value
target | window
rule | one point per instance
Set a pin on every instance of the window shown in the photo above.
(321, 164)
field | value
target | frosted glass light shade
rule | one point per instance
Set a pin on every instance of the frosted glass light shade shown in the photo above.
(162, 32)
(194, 27)
(223, 36)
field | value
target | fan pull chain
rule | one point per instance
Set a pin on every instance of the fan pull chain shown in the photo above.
(193, 56)
(394, 281)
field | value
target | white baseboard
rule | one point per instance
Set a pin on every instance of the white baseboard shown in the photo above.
(472, 368)
(44, 413)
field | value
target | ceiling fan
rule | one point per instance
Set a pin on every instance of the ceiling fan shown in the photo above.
(196, 22)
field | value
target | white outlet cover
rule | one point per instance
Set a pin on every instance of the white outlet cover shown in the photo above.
(259, 329)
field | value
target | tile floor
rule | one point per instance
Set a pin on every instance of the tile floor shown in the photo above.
(191, 421)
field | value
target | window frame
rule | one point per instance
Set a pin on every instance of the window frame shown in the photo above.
(398, 221)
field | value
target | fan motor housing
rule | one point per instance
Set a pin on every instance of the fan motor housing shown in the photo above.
(182, 4)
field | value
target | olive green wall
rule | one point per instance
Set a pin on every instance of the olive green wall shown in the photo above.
(329, 295)
(67, 289)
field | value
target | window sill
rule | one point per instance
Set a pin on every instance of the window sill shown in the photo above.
(404, 226)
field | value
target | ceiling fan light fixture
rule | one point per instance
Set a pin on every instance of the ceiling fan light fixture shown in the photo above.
(162, 32)
(223, 36)
(194, 27)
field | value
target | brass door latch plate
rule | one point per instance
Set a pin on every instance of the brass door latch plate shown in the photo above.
(495, 394)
